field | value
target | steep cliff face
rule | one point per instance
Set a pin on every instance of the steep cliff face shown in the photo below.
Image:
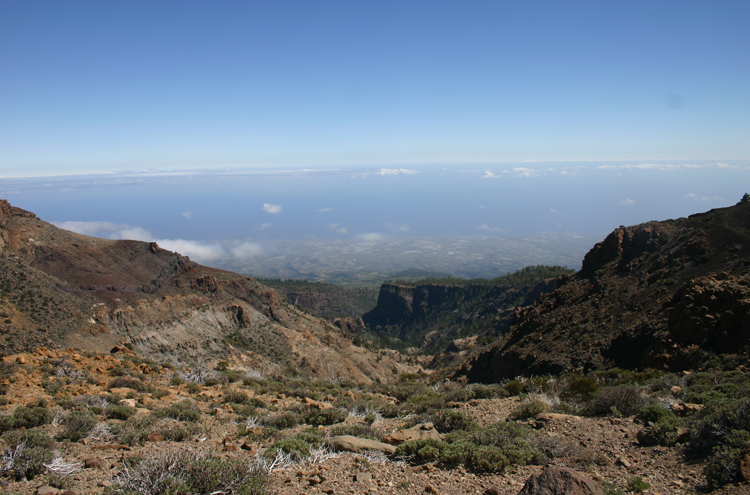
(59, 288)
(646, 296)
(449, 318)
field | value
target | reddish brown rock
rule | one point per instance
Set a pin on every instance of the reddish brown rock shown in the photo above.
(418, 432)
(556, 480)
(155, 437)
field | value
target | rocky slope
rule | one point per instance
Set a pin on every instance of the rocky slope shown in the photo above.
(108, 415)
(665, 294)
(58, 288)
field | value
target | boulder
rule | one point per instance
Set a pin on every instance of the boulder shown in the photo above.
(354, 444)
(417, 432)
(647, 437)
(555, 480)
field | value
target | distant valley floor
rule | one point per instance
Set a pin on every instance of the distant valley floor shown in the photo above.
(355, 262)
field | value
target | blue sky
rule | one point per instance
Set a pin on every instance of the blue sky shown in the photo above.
(233, 123)
(98, 86)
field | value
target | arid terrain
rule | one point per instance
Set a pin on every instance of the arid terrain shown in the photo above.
(103, 414)
(130, 369)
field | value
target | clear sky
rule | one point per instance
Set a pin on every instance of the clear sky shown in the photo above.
(95, 86)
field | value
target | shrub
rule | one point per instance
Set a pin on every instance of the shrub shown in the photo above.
(288, 419)
(31, 417)
(133, 383)
(178, 433)
(720, 434)
(529, 409)
(314, 416)
(119, 411)
(77, 425)
(581, 386)
(180, 471)
(636, 484)
(514, 387)
(489, 449)
(181, 411)
(134, 430)
(360, 431)
(621, 400)
(159, 393)
(489, 391)
(30, 438)
(236, 397)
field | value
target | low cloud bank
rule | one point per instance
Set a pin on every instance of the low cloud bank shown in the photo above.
(200, 251)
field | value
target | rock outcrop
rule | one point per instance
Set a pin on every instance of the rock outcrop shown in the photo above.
(647, 296)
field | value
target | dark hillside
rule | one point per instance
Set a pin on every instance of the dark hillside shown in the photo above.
(324, 300)
(432, 313)
(666, 294)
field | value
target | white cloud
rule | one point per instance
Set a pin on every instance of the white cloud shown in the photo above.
(324, 209)
(337, 227)
(525, 172)
(187, 214)
(491, 175)
(108, 230)
(247, 250)
(665, 166)
(552, 210)
(200, 251)
(196, 250)
(269, 208)
(266, 225)
(695, 197)
(626, 202)
(398, 227)
(396, 171)
(371, 237)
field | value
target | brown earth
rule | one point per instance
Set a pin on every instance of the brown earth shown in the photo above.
(610, 452)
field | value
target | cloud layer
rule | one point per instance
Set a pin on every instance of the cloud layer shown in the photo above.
(200, 251)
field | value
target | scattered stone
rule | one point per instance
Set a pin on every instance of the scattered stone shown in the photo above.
(360, 477)
(431, 489)
(47, 490)
(155, 437)
(96, 463)
(621, 461)
(745, 464)
(493, 490)
(418, 432)
(354, 444)
(647, 436)
(555, 480)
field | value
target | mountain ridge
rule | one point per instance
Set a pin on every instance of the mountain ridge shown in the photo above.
(64, 289)
(668, 294)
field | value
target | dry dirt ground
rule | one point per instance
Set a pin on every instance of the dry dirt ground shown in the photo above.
(610, 441)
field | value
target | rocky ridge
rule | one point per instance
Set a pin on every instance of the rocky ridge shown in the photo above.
(58, 288)
(662, 294)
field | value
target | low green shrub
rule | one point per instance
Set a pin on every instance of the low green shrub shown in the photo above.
(489, 449)
(185, 410)
(314, 416)
(282, 421)
(76, 426)
(614, 401)
(529, 409)
(134, 430)
(119, 411)
(720, 434)
(181, 471)
(132, 383)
